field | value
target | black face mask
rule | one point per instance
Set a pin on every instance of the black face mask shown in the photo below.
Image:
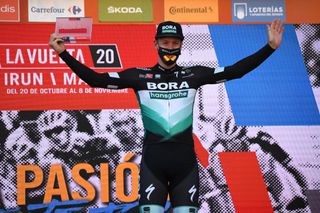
(169, 57)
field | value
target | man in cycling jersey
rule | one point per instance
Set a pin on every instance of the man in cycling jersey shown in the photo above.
(166, 95)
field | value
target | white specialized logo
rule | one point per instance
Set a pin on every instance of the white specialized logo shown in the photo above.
(192, 191)
(149, 190)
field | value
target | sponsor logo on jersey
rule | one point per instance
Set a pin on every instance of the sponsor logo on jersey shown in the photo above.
(143, 68)
(148, 75)
(167, 86)
(149, 190)
(188, 76)
(169, 95)
(192, 192)
(146, 209)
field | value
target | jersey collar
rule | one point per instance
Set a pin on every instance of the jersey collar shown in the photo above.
(161, 69)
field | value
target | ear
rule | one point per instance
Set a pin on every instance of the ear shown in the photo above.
(156, 45)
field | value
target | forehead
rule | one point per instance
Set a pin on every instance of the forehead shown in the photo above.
(169, 39)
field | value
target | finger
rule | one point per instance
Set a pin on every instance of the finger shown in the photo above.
(55, 36)
(268, 27)
(59, 36)
(273, 24)
(59, 40)
(278, 26)
(281, 30)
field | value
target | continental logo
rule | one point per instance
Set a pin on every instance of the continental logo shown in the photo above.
(194, 11)
(182, 10)
(112, 9)
(169, 95)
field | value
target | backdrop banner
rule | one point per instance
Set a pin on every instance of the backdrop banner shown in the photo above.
(66, 146)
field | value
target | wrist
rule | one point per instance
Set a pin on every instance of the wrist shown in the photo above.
(272, 45)
(60, 51)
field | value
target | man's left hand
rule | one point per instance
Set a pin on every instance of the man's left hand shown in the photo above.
(275, 32)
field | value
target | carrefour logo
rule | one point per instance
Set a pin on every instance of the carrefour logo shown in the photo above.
(112, 9)
(74, 10)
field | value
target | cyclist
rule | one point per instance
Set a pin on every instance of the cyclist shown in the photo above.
(166, 95)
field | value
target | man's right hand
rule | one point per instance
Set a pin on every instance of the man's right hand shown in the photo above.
(57, 43)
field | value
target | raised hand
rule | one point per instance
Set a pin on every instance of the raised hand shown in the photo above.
(275, 32)
(56, 42)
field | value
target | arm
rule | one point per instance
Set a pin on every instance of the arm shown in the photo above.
(244, 66)
(111, 80)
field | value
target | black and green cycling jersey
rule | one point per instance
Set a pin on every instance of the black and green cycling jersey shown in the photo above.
(166, 97)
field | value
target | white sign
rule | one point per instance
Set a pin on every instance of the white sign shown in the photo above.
(48, 10)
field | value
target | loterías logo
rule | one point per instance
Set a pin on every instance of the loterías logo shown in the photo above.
(258, 11)
(240, 10)
(74, 10)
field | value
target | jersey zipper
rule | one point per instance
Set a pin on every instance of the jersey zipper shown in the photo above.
(168, 91)
(169, 115)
